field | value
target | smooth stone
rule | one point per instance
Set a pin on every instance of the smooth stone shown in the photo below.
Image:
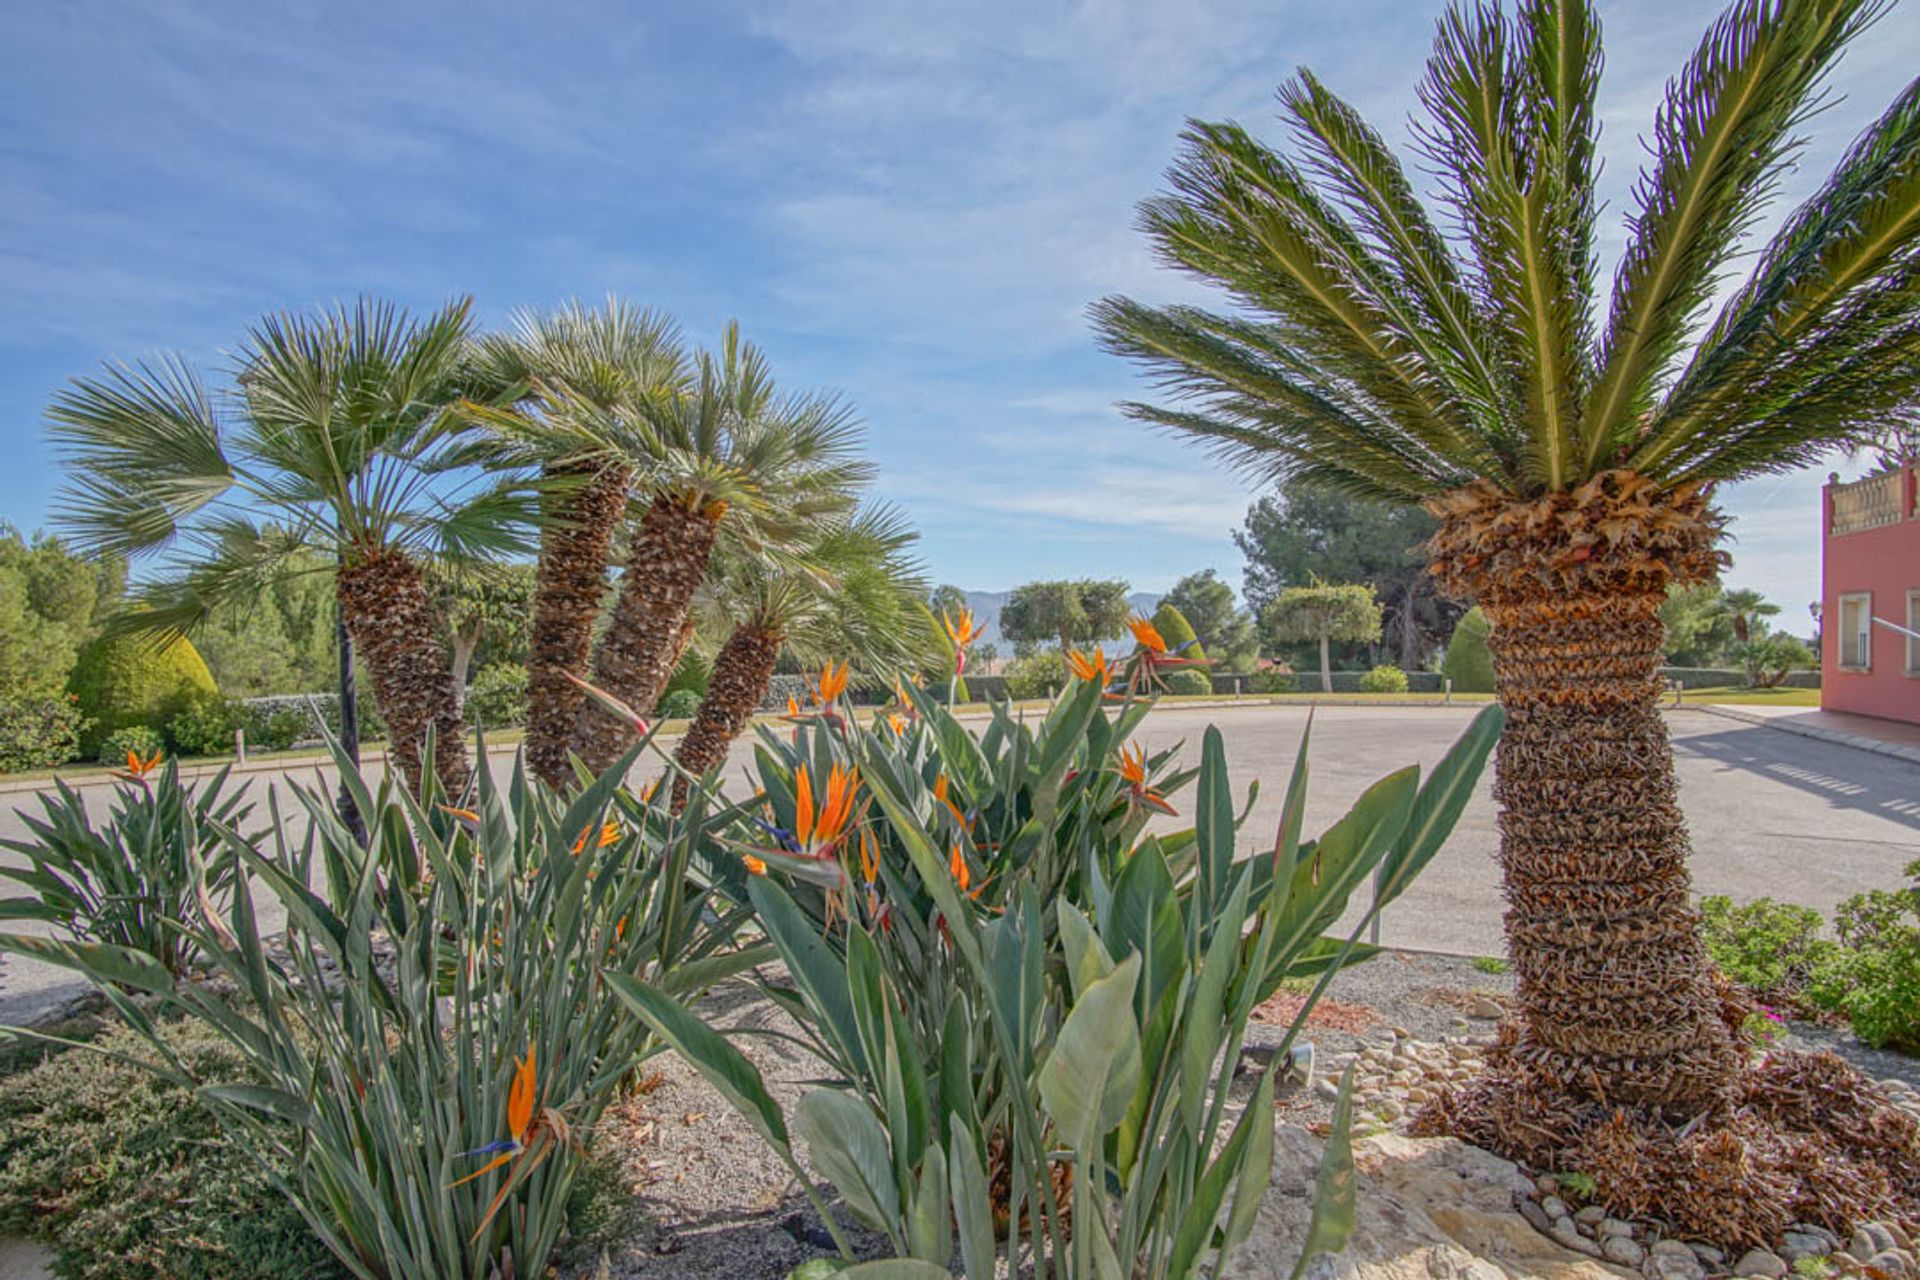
(1328, 1088)
(1708, 1254)
(1676, 1263)
(1817, 1231)
(1611, 1227)
(1548, 1184)
(1795, 1245)
(1554, 1207)
(1564, 1232)
(1622, 1250)
(1760, 1262)
(1536, 1216)
(1590, 1216)
(1486, 1009)
(1869, 1240)
(1893, 1262)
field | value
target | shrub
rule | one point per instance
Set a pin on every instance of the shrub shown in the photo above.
(1773, 949)
(204, 725)
(1040, 674)
(1185, 682)
(680, 704)
(1084, 1049)
(124, 680)
(39, 731)
(1769, 660)
(497, 698)
(1384, 679)
(128, 883)
(1878, 967)
(128, 1177)
(693, 673)
(480, 1026)
(1271, 681)
(277, 725)
(1469, 663)
(136, 740)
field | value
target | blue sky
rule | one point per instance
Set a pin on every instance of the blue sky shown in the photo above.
(912, 204)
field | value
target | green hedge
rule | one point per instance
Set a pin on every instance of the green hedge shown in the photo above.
(123, 681)
(39, 731)
(1469, 663)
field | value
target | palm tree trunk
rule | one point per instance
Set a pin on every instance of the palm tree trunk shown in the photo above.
(649, 629)
(742, 674)
(570, 585)
(390, 618)
(1615, 1001)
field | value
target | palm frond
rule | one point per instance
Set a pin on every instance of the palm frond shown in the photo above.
(233, 563)
(1720, 143)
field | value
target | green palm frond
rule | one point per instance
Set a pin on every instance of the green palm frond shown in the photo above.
(1373, 349)
(144, 448)
(1721, 142)
(232, 564)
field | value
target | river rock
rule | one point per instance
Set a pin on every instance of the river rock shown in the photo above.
(1590, 1216)
(1624, 1250)
(1795, 1245)
(1760, 1262)
(1897, 1263)
(1672, 1260)
(1426, 1209)
(1486, 1008)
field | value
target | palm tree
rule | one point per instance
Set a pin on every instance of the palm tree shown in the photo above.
(1744, 608)
(336, 432)
(851, 593)
(729, 457)
(563, 368)
(1569, 458)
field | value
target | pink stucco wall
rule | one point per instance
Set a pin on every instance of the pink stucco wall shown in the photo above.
(1886, 562)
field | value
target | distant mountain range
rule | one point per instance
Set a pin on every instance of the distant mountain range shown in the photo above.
(986, 607)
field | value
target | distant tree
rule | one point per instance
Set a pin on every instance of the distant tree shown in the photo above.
(482, 604)
(1769, 659)
(1699, 628)
(946, 599)
(280, 640)
(51, 602)
(1323, 613)
(1746, 609)
(1301, 535)
(1469, 663)
(1068, 611)
(1222, 626)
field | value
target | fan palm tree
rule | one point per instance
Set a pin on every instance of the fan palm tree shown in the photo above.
(335, 433)
(851, 593)
(1569, 456)
(730, 457)
(1745, 607)
(561, 368)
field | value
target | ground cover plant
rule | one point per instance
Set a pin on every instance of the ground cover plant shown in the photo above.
(998, 908)
(428, 1055)
(1568, 451)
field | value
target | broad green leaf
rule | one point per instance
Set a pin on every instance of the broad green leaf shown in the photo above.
(848, 1145)
(274, 1102)
(1229, 1169)
(971, 1207)
(723, 1066)
(1089, 1078)
(812, 965)
(1333, 1199)
(1087, 958)
(930, 1222)
(99, 961)
(1437, 808)
(1213, 827)
(880, 1269)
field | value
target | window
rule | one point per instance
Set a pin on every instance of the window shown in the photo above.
(1856, 631)
(1913, 632)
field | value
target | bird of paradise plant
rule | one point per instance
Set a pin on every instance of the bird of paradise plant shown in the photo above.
(138, 769)
(1152, 656)
(963, 631)
(1132, 766)
(534, 1134)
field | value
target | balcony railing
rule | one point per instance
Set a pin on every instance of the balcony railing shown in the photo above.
(1870, 503)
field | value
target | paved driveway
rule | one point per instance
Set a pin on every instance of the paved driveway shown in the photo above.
(1772, 814)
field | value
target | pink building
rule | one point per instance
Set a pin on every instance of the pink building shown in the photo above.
(1870, 596)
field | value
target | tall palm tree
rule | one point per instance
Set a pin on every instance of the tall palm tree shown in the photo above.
(1569, 457)
(1744, 607)
(730, 457)
(336, 433)
(851, 593)
(561, 368)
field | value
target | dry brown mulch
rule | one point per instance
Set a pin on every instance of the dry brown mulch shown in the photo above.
(1282, 1007)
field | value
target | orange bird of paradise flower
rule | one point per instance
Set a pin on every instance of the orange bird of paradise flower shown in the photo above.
(138, 769)
(1152, 655)
(609, 832)
(833, 683)
(533, 1135)
(811, 850)
(1133, 769)
(1090, 666)
(963, 631)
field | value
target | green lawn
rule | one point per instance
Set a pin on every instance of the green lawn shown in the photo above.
(1729, 695)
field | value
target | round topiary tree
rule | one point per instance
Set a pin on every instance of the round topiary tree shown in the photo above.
(127, 680)
(1469, 663)
(1179, 635)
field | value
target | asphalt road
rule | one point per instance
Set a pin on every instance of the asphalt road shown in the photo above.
(1772, 814)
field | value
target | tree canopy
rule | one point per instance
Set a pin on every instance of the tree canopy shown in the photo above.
(1065, 611)
(1224, 629)
(51, 602)
(1323, 614)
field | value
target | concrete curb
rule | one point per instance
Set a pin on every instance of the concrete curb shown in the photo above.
(1893, 750)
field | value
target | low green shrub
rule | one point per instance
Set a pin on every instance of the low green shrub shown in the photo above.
(1774, 949)
(127, 1177)
(1271, 681)
(204, 725)
(497, 698)
(124, 680)
(278, 725)
(130, 881)
(1384, 679)
(1037, 675)
(1879, 964)
(1185, 682)
(134, 739)
(679, 704)
(39, 730)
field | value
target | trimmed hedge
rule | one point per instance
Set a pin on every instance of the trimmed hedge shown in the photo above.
(39, 731)
(124, 681)
(1469, 663)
